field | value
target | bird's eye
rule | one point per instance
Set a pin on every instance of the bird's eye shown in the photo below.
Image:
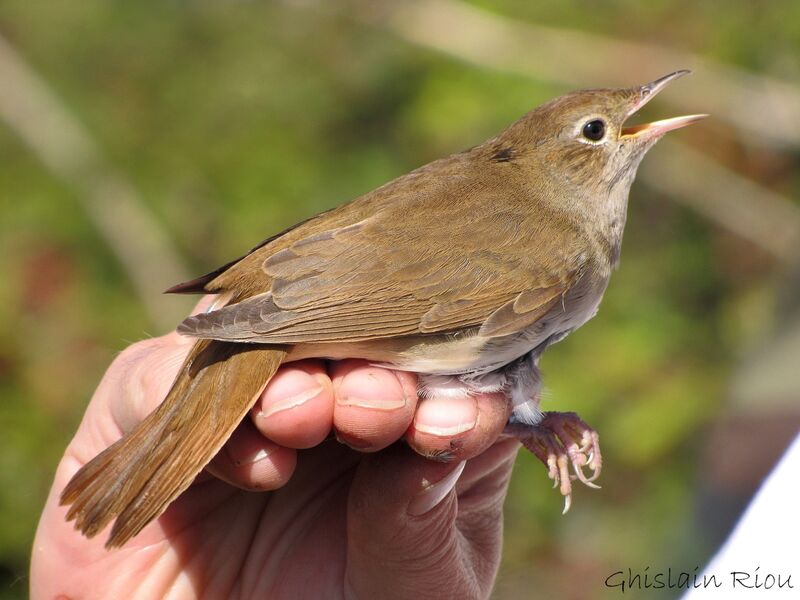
(594, 130)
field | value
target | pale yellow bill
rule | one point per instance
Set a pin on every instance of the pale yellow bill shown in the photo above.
(661, 127)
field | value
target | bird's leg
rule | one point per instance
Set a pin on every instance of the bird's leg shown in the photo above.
(560, 440)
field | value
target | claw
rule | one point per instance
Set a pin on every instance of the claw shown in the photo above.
(567, 504)
(561, 440)
(589, 481)
(582, 476)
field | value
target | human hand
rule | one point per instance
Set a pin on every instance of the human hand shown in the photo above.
(338, 523)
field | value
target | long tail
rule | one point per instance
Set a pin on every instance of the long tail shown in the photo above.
(135, 479)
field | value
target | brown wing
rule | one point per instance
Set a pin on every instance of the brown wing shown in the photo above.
(391, 274)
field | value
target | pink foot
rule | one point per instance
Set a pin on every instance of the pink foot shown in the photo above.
(561, 439)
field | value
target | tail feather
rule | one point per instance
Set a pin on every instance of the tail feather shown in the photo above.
(135, 479)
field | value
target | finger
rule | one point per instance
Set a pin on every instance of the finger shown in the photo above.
(141, 375)
(296, 408)
(207, 303)
(457, 428)
(374, 406)
(135, 383)
(252, 462)
(484, 482)
(149, 367)
(402, 527)
(150, 373)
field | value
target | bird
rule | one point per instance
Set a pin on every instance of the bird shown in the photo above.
(464, 271)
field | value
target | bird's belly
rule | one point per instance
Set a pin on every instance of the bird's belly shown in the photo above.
(451, 353)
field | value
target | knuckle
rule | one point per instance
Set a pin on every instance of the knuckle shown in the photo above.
(128, 360)
(140, 366)
(134, 354)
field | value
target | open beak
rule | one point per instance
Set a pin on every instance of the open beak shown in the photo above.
(657, 128)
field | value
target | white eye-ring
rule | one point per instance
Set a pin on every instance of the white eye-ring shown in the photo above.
(593, 131)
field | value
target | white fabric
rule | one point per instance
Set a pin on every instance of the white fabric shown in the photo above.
(764, 547)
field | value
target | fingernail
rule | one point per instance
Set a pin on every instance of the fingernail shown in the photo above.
(351, 441)
(376, 389)
(372, 403)
(432, 494)
(242, 456)
(446, 417)
(291, 402)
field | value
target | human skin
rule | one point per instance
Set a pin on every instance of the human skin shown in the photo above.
(264, 520)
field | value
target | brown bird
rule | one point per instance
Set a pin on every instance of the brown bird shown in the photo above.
(464, 271)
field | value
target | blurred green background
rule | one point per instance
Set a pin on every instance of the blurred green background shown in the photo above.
(143, 143)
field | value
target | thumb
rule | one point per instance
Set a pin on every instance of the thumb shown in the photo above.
(402, 533)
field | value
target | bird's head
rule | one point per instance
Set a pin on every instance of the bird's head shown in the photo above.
(582, 140)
